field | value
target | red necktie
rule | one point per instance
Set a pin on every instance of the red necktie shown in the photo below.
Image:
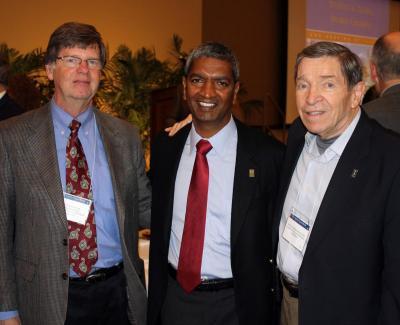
(82, 238)
(191, 252)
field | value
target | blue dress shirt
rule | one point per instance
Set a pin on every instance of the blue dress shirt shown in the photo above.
(108, 239)
(216, 259)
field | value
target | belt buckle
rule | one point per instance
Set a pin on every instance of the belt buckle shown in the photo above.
(95, 277)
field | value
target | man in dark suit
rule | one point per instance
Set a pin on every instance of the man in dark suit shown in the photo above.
(385, 71)
(73, 194)
(216, 272)
(338, 210)
(8, 107)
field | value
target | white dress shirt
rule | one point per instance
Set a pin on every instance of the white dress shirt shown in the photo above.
(216, 261)
(306, 191)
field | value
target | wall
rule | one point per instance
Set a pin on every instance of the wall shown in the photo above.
(394, 23)
(297, 40)
(28, 24)
(255, 31)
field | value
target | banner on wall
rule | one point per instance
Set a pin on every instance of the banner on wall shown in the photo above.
(352, 23)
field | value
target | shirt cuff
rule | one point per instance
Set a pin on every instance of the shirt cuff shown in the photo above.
(8, 314)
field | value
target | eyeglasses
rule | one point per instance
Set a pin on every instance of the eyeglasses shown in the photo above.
(74, 62)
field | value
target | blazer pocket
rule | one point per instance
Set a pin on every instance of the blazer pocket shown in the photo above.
(25, 269)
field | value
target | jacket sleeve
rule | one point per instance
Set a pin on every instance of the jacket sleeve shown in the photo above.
(390, 300)
(144, 195)
(8, 300)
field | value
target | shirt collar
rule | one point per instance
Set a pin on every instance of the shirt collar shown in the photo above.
(62, 119)
(336, 148)
(2, 93)
(218, 141)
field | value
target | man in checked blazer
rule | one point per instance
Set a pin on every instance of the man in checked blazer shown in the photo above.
(37, 284)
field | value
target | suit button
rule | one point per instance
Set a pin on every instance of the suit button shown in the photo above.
(64, 276)
(65, 242)
(272, 290)
(271, 261)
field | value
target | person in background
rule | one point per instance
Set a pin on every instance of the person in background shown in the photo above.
(73, 195)
(8, 107)
(385, 71)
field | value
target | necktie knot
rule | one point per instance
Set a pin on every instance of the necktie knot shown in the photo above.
(203, 147)
(74, 126)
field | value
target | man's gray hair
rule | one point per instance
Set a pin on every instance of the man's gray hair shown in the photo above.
(217, 51)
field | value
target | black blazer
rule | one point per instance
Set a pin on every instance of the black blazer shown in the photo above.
(9, 107)
(386, 109)
(351, 267)
(250, 230)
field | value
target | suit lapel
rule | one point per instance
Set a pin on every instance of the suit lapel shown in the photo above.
(42, 144)
(292, 155)
(244, 186)
(343, 185)
(174, 154)
(113, 144)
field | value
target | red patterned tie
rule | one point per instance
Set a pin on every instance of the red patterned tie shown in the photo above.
(191, 253)
(82, 238)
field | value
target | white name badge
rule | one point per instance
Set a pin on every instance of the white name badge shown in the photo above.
(296, 231)
(77, 208)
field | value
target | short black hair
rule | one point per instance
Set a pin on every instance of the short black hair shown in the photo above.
(217, 51)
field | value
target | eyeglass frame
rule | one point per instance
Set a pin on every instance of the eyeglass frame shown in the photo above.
(79, 61)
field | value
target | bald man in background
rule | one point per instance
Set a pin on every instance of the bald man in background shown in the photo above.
(385, 71)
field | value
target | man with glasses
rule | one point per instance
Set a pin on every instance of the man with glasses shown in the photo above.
(74, 193)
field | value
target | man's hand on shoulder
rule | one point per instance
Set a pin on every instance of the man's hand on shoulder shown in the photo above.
(178, 125)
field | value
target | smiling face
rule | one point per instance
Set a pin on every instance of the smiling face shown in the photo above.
(74, 87)
(325, 103)
(210, 92)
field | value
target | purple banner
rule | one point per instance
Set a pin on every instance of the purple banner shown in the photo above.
(369, 18)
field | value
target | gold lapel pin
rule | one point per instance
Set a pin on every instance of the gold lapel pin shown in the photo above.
(252, 173)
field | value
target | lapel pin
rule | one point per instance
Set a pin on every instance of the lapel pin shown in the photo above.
(252, 173)
(354, 173)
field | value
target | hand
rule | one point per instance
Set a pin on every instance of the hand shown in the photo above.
(11, 321)
(177, 126)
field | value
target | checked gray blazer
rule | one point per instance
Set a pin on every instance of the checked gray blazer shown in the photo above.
(33, 225)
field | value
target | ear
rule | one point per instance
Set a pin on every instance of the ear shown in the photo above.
(357, 94)
(184, 87)
(50, 71)
(235, 91)
(374, 72)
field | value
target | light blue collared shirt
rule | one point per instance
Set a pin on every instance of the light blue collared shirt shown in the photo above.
(108, 239)
(307, 188)
(216, 261)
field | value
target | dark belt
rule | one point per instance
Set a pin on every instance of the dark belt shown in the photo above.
(100, 274)
(206, 285)
(292, 288)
